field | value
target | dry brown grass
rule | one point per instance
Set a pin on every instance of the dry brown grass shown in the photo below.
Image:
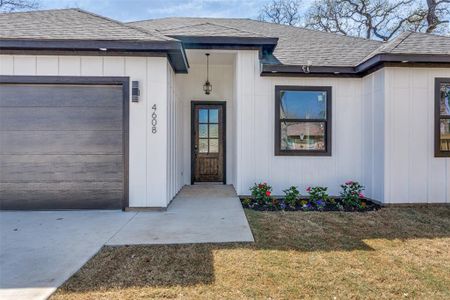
(392, 253)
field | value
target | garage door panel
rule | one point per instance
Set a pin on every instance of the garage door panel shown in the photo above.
(35, 95)
(60, 118)
(61, 145)
(60, 199)
(55, 168)
(61, 142)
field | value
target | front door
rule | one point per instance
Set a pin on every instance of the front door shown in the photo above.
(208, 142)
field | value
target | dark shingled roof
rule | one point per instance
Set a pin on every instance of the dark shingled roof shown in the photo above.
(208, 29)
(70, 24)
(415, 43)
(296, 46)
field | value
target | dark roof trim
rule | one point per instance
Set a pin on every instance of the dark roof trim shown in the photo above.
(401, 58)
(219, 42)
(374, 63)
(174, 49)
(293, 70)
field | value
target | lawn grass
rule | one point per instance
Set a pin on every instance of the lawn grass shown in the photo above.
(393, 253)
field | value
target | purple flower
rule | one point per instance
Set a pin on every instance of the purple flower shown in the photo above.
(282, 205)
(320, 203)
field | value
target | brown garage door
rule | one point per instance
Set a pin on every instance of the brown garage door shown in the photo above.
(62, 142)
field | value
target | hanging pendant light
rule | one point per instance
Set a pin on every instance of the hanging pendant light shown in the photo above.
(207, 87)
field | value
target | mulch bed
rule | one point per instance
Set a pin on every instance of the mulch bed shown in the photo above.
(303, 204)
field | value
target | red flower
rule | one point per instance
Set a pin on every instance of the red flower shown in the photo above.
(260, 186)
(308, 189)
(349, 182)
(268, 193)
(361, 195)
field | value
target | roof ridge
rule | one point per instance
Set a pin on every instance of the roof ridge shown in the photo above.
(241, 30)
(211, 23)
(401, 39)
(121, 23)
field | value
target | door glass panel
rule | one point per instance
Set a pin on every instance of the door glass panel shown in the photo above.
(213, 146)
(203, 145)
(213, 116)
(203, 115)
(213, 130)
(203, 130)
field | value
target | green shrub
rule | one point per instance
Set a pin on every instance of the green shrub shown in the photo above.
(291, 196)
(318, 196)
(261, 192)
(351, 194)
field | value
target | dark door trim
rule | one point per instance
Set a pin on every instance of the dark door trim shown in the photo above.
(224, 119)
(90, 80)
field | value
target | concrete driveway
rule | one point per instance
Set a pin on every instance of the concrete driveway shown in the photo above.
(41, 250)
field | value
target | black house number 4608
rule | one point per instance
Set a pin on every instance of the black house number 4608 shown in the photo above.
(154, 119)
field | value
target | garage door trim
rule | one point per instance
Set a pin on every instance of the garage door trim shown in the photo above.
(89, 80)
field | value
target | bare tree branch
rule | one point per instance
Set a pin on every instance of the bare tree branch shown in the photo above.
(281, 12)
(379, 19)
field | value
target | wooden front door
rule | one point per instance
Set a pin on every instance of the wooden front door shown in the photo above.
(208, 142)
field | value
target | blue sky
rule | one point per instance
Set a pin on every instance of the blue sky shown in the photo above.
(130, 10)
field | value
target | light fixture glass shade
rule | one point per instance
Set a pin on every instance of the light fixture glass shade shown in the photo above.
(207, 87)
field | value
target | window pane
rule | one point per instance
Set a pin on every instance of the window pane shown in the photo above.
(213, 116)
(445, 135)
(213, 146)
(203, 115)
(303, 105)
(303, 136)
(445, 99)
(213, 130)
(203, 145)
(203, 130)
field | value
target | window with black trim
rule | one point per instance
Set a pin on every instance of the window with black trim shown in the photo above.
(303, 120)
(442, 119)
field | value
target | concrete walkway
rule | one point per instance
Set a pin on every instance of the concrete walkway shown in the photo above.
(198, 214)
(41, 250)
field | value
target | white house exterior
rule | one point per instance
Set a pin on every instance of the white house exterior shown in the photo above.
(382, 111)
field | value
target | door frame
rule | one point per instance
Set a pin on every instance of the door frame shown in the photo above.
(123, 81)
(224, 137)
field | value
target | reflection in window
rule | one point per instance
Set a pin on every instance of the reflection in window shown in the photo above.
(443, 118)
(213, 116)
(302, 136)
(203, 116)
(203, 145)
(213, 146)
(303, 120)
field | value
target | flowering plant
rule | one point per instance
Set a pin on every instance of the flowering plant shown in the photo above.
(318, 196)
(352, 195)
(291, 196)
(262, 192)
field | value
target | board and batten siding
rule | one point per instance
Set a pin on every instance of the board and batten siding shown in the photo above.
(175, 147)
(147, 151)
(255, 157)
(413, 174)
(373, 151)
